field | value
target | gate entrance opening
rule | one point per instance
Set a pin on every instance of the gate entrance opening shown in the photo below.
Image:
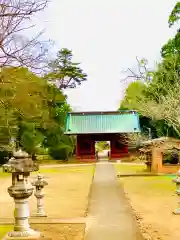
(102, 150)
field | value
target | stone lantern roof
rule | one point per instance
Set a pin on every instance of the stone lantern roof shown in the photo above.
(39, 182)
(20, 154)
(20, 163)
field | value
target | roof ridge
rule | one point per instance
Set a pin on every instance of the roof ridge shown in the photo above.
(102, 123)
(103, 112)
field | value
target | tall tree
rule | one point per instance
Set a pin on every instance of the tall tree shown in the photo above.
(64, 72)
(23, 98)
(175, 15)
(160, 100)
(172, 47)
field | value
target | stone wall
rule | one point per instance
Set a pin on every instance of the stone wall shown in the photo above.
(170, 168)
(157, 163)
(157, 157)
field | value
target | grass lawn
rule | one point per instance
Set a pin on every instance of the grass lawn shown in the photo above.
(66, 169)
(153, 198)
(4, 229)
(3, 174)
(66, 195)
(130, 169)
(53, 231)
(72, 160)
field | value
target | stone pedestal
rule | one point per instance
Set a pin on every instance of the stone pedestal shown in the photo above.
(30, 235)
(177, 181)
(177, 211)
(22, 228)
(40, 205)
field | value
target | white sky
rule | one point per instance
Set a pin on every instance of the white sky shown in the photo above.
(106, 36)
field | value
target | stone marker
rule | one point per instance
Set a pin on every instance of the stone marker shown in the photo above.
(177, 181)
(39, 184)
(21, 189)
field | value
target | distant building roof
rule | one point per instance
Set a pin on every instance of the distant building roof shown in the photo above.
(102, 122)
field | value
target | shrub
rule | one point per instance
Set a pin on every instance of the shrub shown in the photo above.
(42, 151)
(60, 152)
(4, 156)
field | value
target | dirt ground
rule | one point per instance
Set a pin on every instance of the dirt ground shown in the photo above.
(66, 195)
(54, 231)
(153, 199)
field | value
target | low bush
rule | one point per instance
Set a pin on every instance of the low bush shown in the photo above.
(4, 156)
(60, 152)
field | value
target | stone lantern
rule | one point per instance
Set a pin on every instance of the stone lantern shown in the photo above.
(20, 165)
(177, 181)
(39, 184)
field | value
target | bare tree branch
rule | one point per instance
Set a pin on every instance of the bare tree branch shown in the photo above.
(142, 74)
(21, 8)
(15, 49)
(162, 107)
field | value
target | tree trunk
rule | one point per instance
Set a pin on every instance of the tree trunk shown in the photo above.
(33, 156)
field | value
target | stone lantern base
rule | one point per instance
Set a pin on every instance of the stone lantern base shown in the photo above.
(39, 215)
(177, 212)
(30, 235)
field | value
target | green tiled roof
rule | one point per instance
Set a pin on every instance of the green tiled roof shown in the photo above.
(106, 122)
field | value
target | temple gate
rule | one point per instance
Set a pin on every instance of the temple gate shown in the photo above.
(90, 127)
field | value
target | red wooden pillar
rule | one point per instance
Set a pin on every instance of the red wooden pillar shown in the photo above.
(113, 148)
(92, 149)
(78, 142)
(91, 153)
(85, 147)
(119, 147)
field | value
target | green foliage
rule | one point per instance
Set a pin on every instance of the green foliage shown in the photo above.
(64, 71)
(61, 152)
(4, 155)
(23, 92)
(31, 111)
(102, 145)
(158, 101)
(64, 149)
(42, 151)
(175, 15)
(23, 98)
(66, 74)
(138, 95)
(172, 47)
(31, 139)
(133, 93)
(171, 157)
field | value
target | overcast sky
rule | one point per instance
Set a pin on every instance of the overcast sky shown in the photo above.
(106, 37)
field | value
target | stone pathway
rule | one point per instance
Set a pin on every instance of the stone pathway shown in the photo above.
(110, 216)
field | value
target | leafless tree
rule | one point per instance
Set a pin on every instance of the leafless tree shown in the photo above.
(142, 73)
(133, 139)
(167, 108)
(161, 106)
(15, 48)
